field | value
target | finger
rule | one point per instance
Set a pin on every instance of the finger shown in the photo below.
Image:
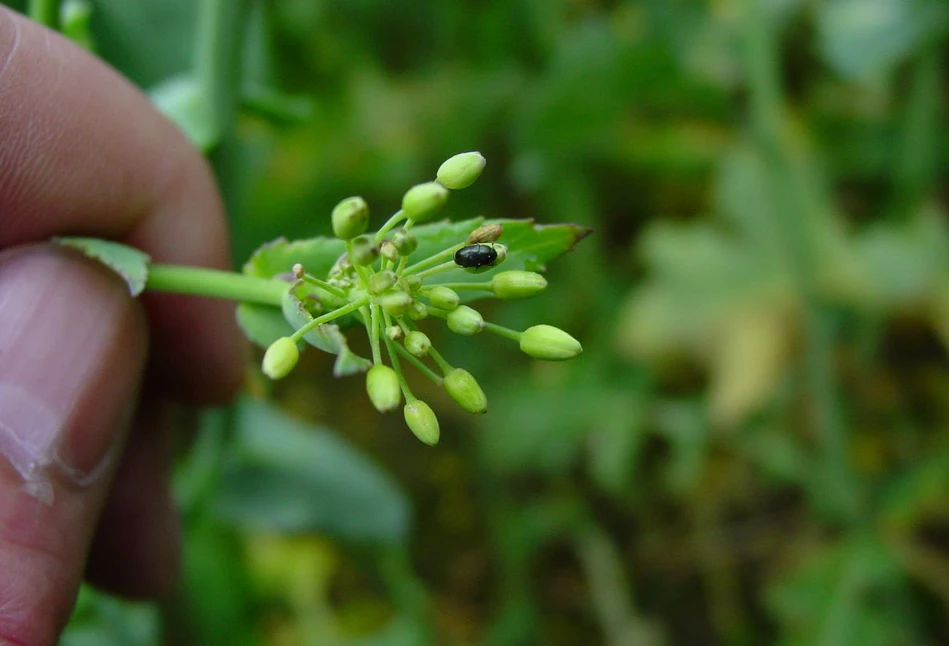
(72, 351)
(136, 549)
(83, 152)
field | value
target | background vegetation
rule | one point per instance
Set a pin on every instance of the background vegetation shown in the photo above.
(754, 447)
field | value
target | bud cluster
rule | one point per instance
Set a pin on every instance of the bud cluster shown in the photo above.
(375, 283)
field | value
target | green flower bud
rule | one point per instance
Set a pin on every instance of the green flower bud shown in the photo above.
(422, 201)
(381, 281)
(518, 284)
(395, 303)
(413, 282)
(405, 242)
(461, 171)
(280, 358)
(418, 311)
(417, 343)
(382, 384)
(394, 332)
(485, 233)
(444, 297)
(422, 421)
(364, 252)
(464, 320)
(350, 218)
(462, 387)
(388, 251)
(550, 343)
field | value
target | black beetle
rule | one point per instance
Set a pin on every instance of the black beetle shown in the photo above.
(476, 255)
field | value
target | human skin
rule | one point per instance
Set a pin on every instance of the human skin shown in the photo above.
(85, 370)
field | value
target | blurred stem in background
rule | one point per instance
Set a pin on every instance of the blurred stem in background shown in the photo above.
(917, 155)
(800, 203)
(45, 12)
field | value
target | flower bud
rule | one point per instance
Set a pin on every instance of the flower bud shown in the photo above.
(550, 343)
(413, 282)
(350, 218)
(444, 297)
(518, 284)
(405, 242)
(422, 421)
(394, 332)
(422, 200)
(417, 343)
(462, 387)
(461, 171)
(395, 303)
(388, 251)
(418, 311)
(364, 252)
(381, 281)
(382, 384)
(485, 233)
(464, 320)
(280, 358)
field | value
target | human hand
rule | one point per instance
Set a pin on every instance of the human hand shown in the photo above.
(84, 153)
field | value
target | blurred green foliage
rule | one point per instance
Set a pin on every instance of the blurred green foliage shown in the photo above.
(754, 447)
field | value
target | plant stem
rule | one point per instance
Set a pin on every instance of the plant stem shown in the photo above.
(432, 260)
(45, 12)
(443, 365)
(500, 330)
(437, 269)
(322, 284)
(329, 316)
(374, 321)
(475, 287)
(916, 158)
(397, 217)
(216, 284)
(801, 207)
(393, 357)
(219, 45)
(425, 370)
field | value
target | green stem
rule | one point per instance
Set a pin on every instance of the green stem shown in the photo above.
(374, 321)
(801, 208)
(45, 12)
(437, 269)
(432, 260)
(219, 45)
(500, 330)
(443, 365)
(322, 284)
(329, 316)
(397, 217)
(425, 370)
(916, 159)
(478, 287)
(216, 284)
(393, 357)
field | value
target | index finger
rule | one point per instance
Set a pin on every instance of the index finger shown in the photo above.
(84, 152)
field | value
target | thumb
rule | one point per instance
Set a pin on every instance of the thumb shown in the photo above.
(72, 351)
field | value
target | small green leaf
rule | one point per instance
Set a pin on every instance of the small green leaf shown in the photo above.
(284, 475)
(263, 325)
(128, 262)
(184, 102)
(326, 337)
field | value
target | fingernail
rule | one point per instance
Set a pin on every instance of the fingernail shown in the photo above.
(71, 351)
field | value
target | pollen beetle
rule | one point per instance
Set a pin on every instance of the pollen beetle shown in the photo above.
(475, 256)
